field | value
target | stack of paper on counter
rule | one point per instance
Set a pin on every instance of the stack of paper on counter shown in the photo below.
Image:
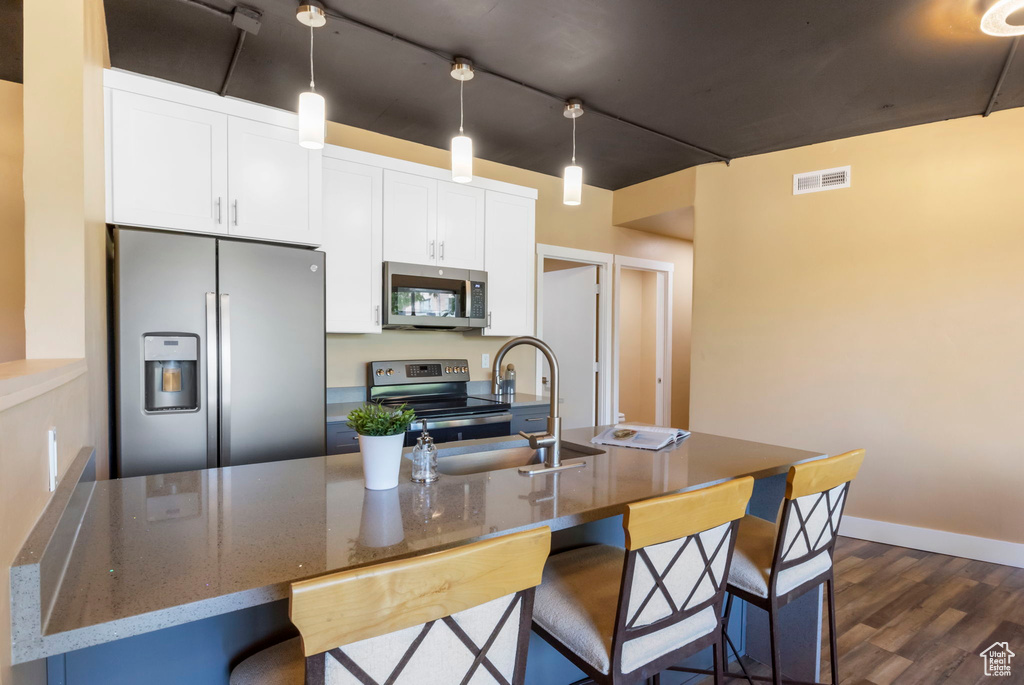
(639, 436)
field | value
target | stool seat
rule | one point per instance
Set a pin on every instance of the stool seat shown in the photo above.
(577, 603)
(282, 664)
(752, 560)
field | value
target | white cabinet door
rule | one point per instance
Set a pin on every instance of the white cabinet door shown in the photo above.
(168, 164)
(509, 251)
(274, 184)
(460, 226)
(410, 218)
(352, 241)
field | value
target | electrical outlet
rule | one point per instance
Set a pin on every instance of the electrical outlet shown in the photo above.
(485, 361)
(51, 441)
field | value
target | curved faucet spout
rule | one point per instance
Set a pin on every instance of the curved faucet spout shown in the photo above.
(549, 442)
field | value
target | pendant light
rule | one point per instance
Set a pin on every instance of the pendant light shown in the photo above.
(996, 21)
(572, 182)
(312, 109)
(462, 145)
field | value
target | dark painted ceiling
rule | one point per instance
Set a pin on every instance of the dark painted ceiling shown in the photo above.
(736, 77)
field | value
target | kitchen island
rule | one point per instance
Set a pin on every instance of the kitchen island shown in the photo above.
(169, 558)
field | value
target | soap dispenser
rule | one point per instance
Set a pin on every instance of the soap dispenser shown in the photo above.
(424, 458)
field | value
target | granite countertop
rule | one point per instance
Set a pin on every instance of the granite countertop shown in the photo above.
(338, 411)
(158, 551)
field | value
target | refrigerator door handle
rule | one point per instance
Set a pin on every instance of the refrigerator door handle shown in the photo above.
(225, 380)
(211, 380)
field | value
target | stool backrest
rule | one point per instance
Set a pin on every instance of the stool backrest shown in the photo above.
(809, 524)
(436, 618)
(679, 548)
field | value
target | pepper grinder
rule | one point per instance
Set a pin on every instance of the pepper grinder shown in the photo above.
(424, 458)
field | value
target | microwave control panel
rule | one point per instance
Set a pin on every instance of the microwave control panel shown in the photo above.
(477, 300)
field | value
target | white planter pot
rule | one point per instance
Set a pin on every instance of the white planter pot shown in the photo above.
(382, 458)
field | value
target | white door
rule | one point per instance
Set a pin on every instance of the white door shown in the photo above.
(168, 164)
(274, 184)
(509, 248)
(460, 226)
(352, 241)
(570, 328)
(410, 218)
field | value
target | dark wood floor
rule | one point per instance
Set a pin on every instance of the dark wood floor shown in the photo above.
(916, 618)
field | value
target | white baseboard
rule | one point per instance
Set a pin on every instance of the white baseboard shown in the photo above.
(928, 540)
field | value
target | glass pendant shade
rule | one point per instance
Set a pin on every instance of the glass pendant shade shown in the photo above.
(462, 159)
(312, 115)
(572, 185)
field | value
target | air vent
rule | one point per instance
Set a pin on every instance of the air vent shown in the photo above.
(826, 179)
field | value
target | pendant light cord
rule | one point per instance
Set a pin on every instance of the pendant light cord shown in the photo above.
(312, 85)
(574, 140)
(461, 114)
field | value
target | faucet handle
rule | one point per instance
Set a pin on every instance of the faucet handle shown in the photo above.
(538, 440)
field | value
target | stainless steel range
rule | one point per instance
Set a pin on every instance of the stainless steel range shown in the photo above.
(437, 389)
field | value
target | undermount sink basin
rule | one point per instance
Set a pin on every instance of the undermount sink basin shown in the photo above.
(508, 458)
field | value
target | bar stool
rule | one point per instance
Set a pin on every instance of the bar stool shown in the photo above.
(623, 616)
(455, 616)
(775, 565)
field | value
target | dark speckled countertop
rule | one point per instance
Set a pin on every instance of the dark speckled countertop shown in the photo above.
(338, 411)
(158, 551)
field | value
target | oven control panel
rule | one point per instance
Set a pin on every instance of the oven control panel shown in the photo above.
(408, 371)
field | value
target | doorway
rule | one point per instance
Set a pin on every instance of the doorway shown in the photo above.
(643, 340)
(574, 318)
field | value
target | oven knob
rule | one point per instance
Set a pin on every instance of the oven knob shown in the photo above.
(391, 372)
(465, 369)
(447, 369)
(380, 372)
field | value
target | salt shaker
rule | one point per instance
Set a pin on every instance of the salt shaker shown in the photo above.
(424, 458)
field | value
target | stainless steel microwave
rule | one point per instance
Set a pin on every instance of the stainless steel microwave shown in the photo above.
(434, 297)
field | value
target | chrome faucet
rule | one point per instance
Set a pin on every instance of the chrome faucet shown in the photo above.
(548, 444)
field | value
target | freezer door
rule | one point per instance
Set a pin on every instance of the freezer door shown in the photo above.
(272, 353)
(163, 286)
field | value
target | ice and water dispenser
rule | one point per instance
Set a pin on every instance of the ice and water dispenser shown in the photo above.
(171, 370)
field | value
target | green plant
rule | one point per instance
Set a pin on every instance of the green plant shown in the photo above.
(376, 419)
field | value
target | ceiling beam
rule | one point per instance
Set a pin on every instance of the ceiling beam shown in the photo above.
(1002, 76)
(522, 84)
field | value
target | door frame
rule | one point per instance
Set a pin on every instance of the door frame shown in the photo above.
(663, 333)
(604, 263)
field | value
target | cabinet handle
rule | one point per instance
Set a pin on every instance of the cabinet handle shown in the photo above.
(441, 255)
(218, 208)
(431, 249)
(234, 206)
(376, 315)
(536, 418)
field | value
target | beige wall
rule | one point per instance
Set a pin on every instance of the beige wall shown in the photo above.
(12, 225)
(638, 311)
(587, 226)
(64, 255)
(889, 315)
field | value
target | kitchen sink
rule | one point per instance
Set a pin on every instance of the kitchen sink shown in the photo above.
(508, 458)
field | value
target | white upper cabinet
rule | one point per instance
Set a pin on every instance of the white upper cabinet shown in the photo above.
(274, 184)
(510, 262)
(169, 164)
(353, 242)
(410, 218)
(460, 226)
(187, 160)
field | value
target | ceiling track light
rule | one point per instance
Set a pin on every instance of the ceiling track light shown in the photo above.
(462, 145)
(312, 108)
(996, 21)
(572, 181)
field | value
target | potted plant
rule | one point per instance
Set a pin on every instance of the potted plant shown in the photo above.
(381, 434)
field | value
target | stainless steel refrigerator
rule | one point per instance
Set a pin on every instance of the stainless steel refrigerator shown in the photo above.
(219, 352)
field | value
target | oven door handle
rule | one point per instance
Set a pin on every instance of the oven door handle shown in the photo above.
(460, 422)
